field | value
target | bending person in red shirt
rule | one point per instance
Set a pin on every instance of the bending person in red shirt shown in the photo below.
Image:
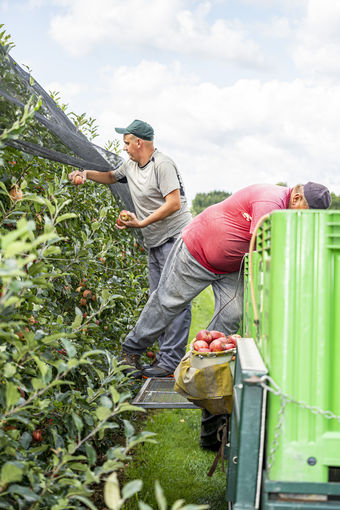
(210, 252)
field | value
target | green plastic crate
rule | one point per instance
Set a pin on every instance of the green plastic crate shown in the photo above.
(297, 288)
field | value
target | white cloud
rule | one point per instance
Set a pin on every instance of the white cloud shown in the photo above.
(169, 26)
(318, 38)
(228, 137)
(4, 6)
(67, 90)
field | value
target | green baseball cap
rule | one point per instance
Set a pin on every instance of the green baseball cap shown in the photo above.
(138, 128)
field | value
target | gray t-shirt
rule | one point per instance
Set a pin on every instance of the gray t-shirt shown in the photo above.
(148, 186)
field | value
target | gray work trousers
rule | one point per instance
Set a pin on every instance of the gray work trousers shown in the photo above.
(173, 340)
(182, 279)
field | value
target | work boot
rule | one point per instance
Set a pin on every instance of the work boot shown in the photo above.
(157, 371)
(135, 369)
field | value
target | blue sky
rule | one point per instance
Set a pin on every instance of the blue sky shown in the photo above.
(238, 92)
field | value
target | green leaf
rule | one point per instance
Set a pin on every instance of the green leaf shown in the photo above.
(128, 407)
(26, 492)
(70, 349)
(43, 367)
(105, 294)
(106, 402)
(131, 488)
(143, 506)
(16, 248)
(78, 466)
(112, 492)
(77, 321)
(162, 504)
(129, 429)
(3, 186)
(178, 505)
(115, 394)
(34, 198)
(12, 394)
(25, 440)
(102, 413)
(9, 370)
(84, 500)
(11, 472)
(95, 226)
(78, 422)
(66, 216)
(50, 338)
(91, 454)
(38, 383)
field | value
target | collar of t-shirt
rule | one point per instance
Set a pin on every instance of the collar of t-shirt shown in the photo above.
(146, 164)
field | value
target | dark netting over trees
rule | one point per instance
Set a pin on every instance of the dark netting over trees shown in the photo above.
(51, 134)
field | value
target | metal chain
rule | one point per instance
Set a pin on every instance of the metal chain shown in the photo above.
(285, 399)
(277, 433)
(277, 391)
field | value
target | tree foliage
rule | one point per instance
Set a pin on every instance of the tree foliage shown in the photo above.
(71, 287)
(204, 200)
(335, 201)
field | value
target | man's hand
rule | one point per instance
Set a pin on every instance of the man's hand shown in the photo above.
(77, 177)
(132, 222)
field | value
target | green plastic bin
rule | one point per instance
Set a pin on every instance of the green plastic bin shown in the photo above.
(297, 288)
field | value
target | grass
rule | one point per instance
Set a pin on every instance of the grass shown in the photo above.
(202, 311)
(177, 461)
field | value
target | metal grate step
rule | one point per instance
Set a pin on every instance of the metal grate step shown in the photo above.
(159, 393)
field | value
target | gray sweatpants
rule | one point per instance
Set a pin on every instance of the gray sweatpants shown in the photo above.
(173, 340)
(182, 279)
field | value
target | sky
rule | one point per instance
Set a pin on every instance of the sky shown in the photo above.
(237, 91)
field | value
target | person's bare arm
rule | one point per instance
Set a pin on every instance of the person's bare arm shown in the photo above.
(172, 204)
(77, 177)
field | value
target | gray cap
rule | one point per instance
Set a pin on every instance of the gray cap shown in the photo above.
(317, 195)
(138, 128)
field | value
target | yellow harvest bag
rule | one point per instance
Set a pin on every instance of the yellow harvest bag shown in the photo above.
(206, 380)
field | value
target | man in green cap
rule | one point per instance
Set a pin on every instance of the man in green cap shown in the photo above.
(162, 212)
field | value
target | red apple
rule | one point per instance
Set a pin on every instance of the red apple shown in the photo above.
(205, 335)
(15, 193)
(124, 215)
(216, 334)
(224, 340)
(203, 349)
(216, 345)
(78, 180)
(200, 344)
(228, 346)
(233, 338)
(37, 435)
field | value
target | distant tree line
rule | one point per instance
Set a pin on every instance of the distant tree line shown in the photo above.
(204, 200)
